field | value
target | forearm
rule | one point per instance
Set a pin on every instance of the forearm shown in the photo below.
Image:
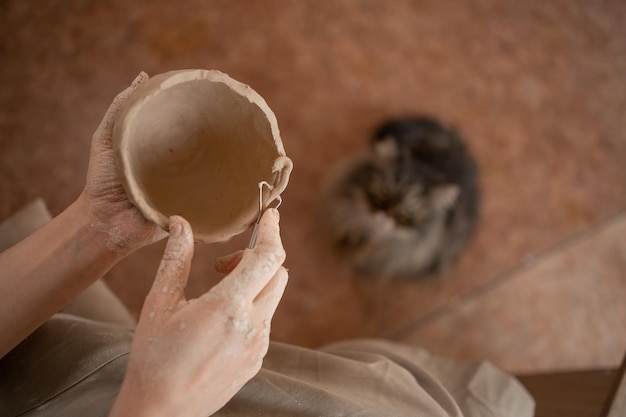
(43, 273)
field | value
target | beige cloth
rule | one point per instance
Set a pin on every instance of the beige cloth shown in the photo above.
(68, 367)
(74, 367)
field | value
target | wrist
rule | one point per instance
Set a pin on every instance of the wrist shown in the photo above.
(48, 269)
(113, 240)
(132, 401)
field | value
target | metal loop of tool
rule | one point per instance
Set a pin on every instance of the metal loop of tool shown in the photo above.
(255, 229)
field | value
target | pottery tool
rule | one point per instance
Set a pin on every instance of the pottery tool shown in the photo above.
(255, 229)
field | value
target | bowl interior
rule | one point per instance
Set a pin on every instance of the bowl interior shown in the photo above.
(199, 150)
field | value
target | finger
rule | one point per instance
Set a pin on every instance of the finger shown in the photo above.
(105, 129)
(168, 287)
(258, 265)
(267, 301)
(226, 264)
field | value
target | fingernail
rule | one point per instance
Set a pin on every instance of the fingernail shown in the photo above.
(219, 263)
(275, 212)
(139, 79)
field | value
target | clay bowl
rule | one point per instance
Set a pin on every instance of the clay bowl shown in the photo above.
(197, 143)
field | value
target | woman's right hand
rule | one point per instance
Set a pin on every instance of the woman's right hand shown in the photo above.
(190, 357)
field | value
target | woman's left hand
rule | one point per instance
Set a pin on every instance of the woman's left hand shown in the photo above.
(108, 205)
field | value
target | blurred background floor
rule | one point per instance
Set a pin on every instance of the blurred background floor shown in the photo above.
(537, 88)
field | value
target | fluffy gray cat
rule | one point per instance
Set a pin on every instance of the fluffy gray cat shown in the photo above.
(408, 206)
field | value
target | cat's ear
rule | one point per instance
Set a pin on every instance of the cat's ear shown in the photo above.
(386, 149)
(444, 196)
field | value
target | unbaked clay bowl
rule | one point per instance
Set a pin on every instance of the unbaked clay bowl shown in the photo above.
(197, 143)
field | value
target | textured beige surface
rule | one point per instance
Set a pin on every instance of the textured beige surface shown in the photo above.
(537, 88)
(565, 310)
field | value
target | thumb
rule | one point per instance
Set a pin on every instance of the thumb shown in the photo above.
(105, 129)
(171, 278)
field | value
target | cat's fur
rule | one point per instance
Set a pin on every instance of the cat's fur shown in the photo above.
(408, 207)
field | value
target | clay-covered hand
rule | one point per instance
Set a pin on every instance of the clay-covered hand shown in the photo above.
(106, 199)
(189, 357)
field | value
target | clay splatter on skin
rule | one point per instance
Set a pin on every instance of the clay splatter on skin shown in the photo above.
(265, 331)
(117, 243)
(238, 319)
(251, 333)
